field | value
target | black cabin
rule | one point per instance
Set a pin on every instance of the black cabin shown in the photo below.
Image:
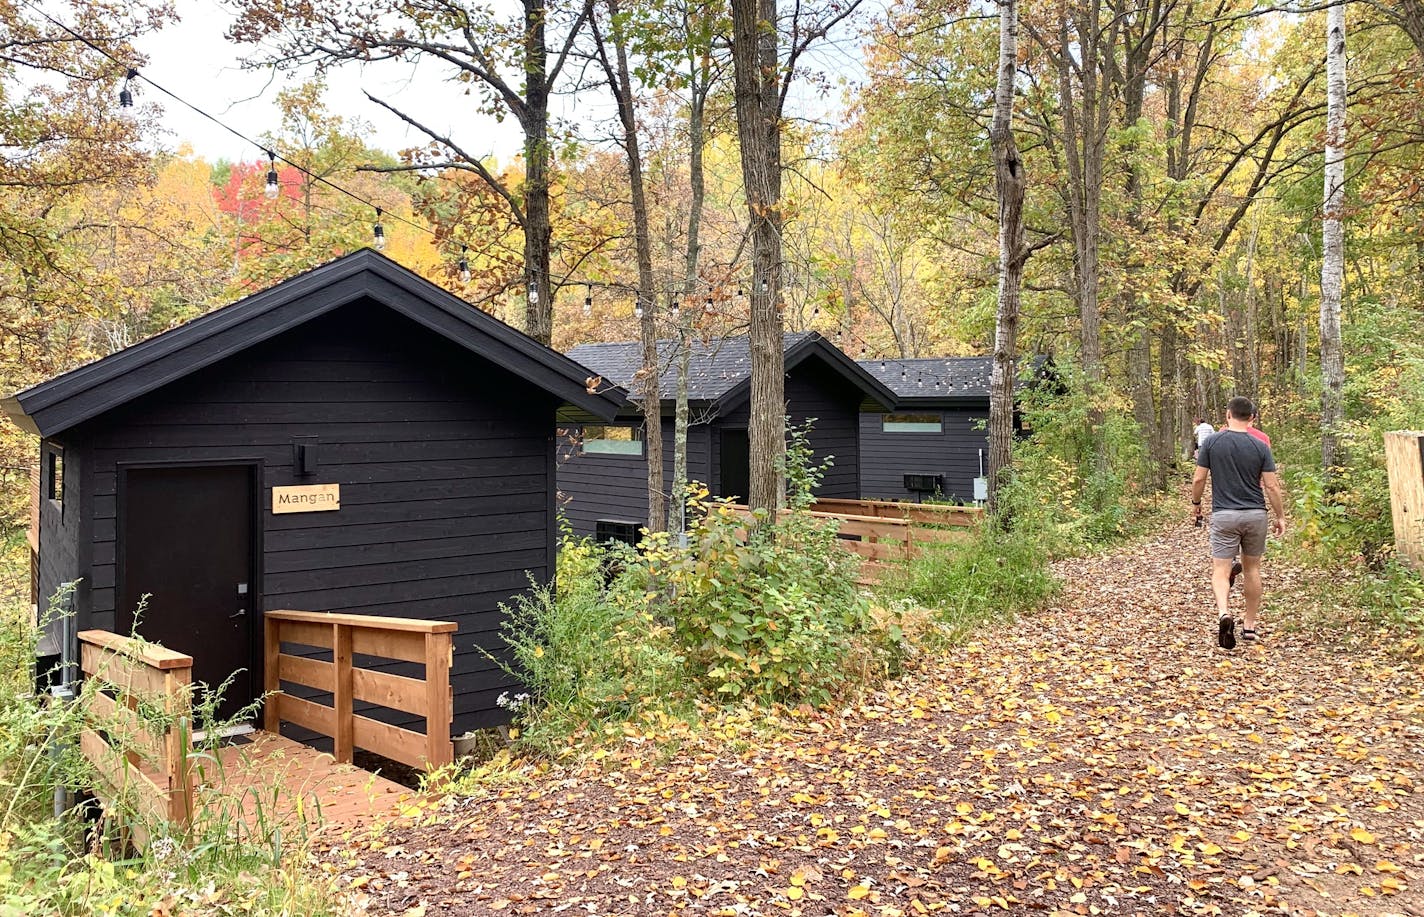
(603, 467)
(353, 439)
(935, 442)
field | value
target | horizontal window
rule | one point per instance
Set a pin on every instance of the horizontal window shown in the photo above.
(612, 440)
(912, 423)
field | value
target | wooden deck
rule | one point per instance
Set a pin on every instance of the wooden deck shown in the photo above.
(277, 781)
(150, 775)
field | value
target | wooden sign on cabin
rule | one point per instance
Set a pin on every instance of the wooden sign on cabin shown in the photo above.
(306, 498)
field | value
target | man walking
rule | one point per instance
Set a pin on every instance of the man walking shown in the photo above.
(1243, 477)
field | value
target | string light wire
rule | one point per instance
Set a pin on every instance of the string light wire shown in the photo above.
(132, 73)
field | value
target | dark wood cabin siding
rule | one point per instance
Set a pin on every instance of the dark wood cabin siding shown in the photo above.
(887, 457)
(814, 390)
(445, 463)
(594, 487)
(61, 525)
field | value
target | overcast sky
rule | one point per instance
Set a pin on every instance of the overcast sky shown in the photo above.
(194, 60)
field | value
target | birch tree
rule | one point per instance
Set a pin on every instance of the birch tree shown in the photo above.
(1332, 268)
(1009, 182)
(620, 83)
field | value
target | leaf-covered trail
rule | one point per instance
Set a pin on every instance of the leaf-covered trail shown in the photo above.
(1102, 757)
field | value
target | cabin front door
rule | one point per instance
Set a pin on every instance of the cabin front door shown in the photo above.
(186, 542)
(736, 465)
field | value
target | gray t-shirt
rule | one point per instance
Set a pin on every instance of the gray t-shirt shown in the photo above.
(1236, 461)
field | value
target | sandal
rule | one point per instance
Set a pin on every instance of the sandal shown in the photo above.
(1226, 632)
(1249, 635)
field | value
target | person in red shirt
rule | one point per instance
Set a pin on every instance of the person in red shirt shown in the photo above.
(1254, 429)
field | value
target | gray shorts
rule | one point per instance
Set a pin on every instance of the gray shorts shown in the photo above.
(1234, 530)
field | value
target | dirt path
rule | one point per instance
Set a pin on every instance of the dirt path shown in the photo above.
(1100, 758)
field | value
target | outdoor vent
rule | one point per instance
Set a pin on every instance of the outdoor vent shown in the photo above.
(606, 530)
(924, 483)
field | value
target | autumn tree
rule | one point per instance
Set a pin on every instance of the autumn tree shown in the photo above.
(763, 76)
(1332, 267)
(510, 62)
(1009, 180)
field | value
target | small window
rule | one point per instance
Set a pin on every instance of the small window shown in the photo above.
(912, 423)
(610, 440)
(54, 489)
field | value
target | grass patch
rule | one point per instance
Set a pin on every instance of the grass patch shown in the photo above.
(66, 865)
(990, 578)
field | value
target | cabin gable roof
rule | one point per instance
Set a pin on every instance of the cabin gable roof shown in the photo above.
(96, 388)
(719, 372)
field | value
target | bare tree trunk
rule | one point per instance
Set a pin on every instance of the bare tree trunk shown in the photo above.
(621, 82)
(1086, 114)
(1009, 180)
(538, 225)
(758, 106)
(1332, 268)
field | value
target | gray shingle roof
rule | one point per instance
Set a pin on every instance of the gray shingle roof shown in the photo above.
(716, 367)
(938, 377)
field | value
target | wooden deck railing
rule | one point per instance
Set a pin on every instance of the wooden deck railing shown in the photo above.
(921, 513)
(139, 722)
(886, 531)
(346, 636)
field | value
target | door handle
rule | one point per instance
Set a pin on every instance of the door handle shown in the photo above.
(241, 612)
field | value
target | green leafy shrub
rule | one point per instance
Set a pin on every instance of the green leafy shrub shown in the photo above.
(590, 653)
(1062, 494)
(766, 609)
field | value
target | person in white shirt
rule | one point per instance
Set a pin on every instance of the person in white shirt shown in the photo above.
(1202, 431)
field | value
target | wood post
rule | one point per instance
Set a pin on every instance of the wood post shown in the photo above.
(342, 698)
(439, 712)
(1404, 454)
(271, 675)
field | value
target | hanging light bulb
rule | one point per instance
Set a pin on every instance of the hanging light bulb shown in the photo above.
(862, 351)
(274, 185)
(534, 292)
(464, 264)
(765, 285)
(379, 231)
(904, 376)
(125, 93)
(707, 306)
(638, 310)
(588, 301)
(882, 366)
(741, 294)
(676, 309)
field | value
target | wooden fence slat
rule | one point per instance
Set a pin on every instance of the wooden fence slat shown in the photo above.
(150, 654)
(403, 745)
(301, 632)
(126, 674)
(306, 714)
(395, 691)
(314, 673)
(407, 646)
(127, 728)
